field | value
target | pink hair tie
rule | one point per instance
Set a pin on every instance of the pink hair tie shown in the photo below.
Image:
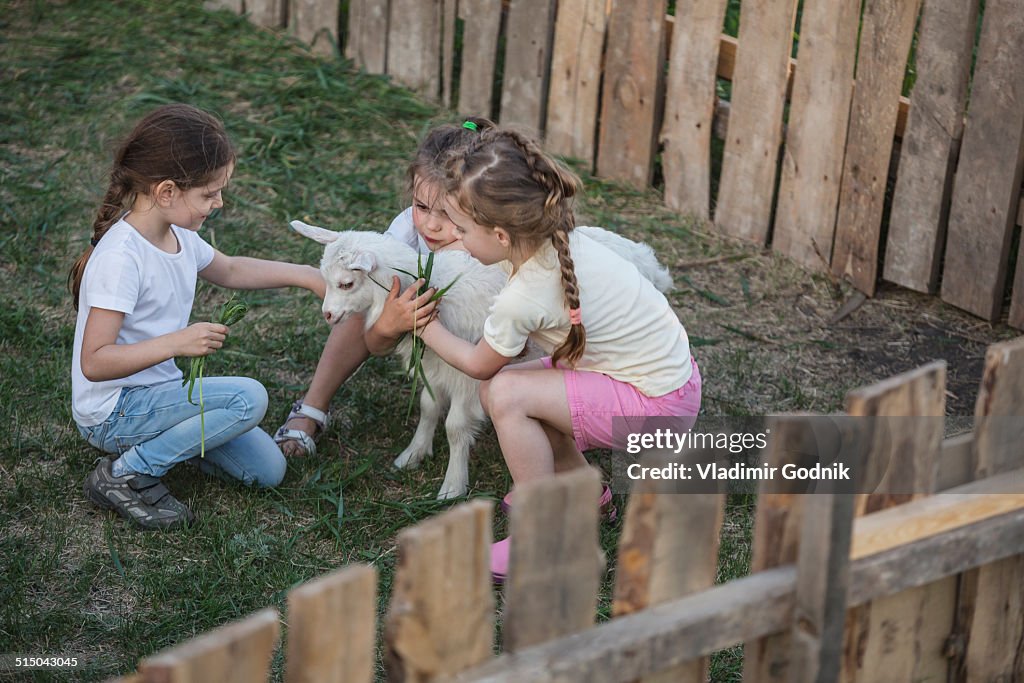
(574, 317)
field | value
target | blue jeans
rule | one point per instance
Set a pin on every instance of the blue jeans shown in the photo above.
(155, 427)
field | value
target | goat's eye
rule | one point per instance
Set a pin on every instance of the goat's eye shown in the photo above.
(345, 285)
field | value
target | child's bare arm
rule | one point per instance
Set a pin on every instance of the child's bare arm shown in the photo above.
(479, 360)
(104, 359)
(244, 272)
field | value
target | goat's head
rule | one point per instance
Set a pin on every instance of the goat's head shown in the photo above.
(346, 269)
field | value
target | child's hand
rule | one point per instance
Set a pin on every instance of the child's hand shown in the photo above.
(201, 339)
(404, 311)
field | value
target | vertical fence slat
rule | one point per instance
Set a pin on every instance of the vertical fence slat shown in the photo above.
(634, 68)
(776, 539)
(988, 178)
(887, 28)
(332, 628)
(575, 78)
(750, 159)
(690, 106)
(668, 549)
(482, 23)
(920, 205)
(996, 591)
(901, 637)
(315, 22)
(448, 12)
(812, 161)
(238, 652)
(269, 13)
(527, 60)
(441, 617)
(368, 34)
(555, 562)
(414, 45)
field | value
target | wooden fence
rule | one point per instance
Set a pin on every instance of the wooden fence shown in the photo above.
(922, 580)
(854, 179)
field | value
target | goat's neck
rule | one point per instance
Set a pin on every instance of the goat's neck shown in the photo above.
(382, 276)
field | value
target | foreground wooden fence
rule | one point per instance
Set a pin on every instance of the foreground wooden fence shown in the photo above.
(616, 83)
(922, 580)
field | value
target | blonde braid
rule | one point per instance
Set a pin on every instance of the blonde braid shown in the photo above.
(572, 348)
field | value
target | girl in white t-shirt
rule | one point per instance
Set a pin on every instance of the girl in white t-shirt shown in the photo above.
(133, 289)
(423, 226)
(617, 348)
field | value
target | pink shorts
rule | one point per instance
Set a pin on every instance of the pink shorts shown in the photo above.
(595, 399)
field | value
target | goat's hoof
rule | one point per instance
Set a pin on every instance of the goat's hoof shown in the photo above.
(408, 459)
(449, 492)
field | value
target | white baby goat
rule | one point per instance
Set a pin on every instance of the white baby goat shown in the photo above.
(358, 268)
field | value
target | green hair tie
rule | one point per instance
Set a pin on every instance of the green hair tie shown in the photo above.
(470, 125)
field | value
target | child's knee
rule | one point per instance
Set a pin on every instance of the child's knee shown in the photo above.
(500, 395)
(254, 400)
(271, 471)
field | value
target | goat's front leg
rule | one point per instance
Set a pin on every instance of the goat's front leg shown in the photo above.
(423, 440)
(460, 426)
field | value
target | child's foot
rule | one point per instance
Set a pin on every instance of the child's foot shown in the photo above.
(499, 561)
(297, 436)
(138, 497)
(608, 510)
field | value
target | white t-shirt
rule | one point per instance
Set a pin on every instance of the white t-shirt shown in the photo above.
(404, 230)
(633, 335)
(153, 289)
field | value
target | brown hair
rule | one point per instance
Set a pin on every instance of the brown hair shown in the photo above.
(437, 145)
(503, 179)
(176, 142)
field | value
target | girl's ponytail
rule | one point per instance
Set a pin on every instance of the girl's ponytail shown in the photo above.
(574, 345)
(114, 203)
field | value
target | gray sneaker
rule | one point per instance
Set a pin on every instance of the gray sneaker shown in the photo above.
(138, 497)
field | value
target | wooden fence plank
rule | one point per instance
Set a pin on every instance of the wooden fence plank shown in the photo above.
(812, 162)
(527, 62)
(269, 13)
(776, 541)
(441, 617)
(576, 78)
(901, 637)
(887, 28)
(367, 40)
(555, 562)
(634, 68)
(414, 45)
(986, 189)
(997, 621)
(690, 94)
(315, 22)
(481, 25)
(750, 159)
(238, 652)
(920, 209)
(332, 628)
(235, 6)
(449, 12)
(668, 549)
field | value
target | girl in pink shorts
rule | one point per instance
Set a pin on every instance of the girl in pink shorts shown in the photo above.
(617, 348)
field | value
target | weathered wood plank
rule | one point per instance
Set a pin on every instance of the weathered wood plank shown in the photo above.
(812, 161)
(887, 28)
(527, 61)
(576, 78)
(235, 6)
(986, 190)
(441, 617)
(956, 464)
(634, 71)
(690, 94)
(482, 24)
(414, 45)
(920, 209)
(754, 606)
(555, 563)
(315, 22)
(332, 628)
(750, 159)
(449, 11)
(368, 34)
(238, 652)
(668, 549)
(268, 13)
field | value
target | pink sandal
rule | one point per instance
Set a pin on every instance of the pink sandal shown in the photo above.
(499, 561)
(608, 510)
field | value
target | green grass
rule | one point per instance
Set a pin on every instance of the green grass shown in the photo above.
(321, 142)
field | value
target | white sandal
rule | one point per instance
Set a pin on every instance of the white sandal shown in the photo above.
(308, 443)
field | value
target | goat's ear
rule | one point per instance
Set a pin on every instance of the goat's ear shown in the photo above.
(321, 235)
(364, 261)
